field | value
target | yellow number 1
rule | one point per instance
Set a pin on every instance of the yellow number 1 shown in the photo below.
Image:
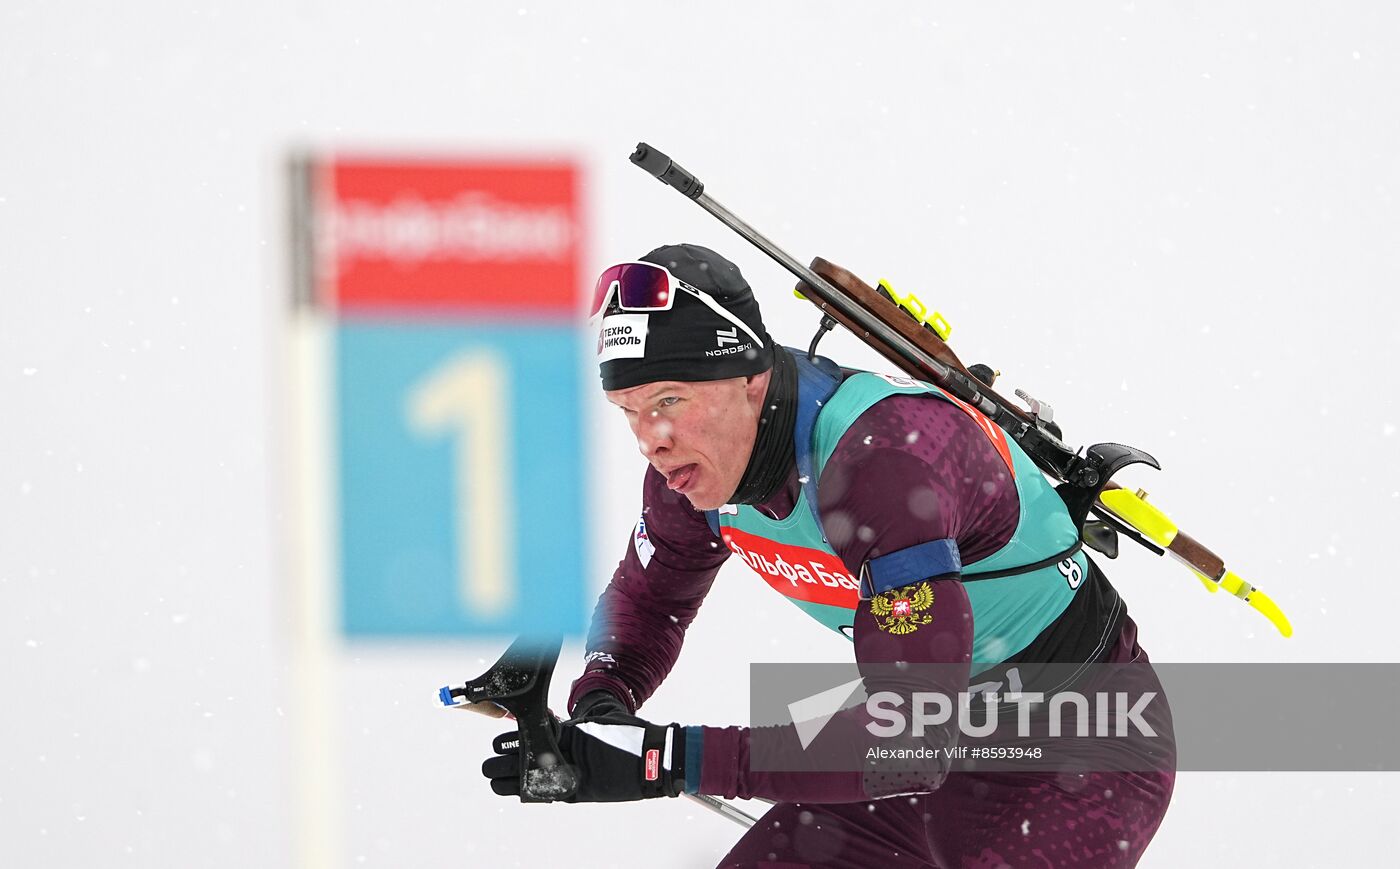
(468, 397)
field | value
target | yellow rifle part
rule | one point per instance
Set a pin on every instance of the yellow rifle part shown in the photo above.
(914, 307)
(1132, 508)
(919, 311)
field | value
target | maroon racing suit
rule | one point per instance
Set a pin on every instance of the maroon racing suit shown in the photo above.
(909, 470)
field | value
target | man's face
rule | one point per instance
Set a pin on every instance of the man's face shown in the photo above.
(698, 435)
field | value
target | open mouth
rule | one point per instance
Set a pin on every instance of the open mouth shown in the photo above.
(681, 479)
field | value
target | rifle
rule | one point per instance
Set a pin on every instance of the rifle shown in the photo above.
(901, 329)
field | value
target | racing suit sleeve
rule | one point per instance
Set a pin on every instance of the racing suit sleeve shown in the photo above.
(641, 618)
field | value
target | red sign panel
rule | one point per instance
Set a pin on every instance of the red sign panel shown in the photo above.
(412, 235)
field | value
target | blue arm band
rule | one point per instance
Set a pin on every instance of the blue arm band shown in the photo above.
(908, 566)
(694, 756)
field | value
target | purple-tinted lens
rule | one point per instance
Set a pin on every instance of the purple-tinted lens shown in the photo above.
(640, 287)
(603, 288)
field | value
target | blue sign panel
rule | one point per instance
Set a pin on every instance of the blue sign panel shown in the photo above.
(460, 472)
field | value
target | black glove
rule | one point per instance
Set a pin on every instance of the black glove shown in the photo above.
(596, 704)
(616, 757)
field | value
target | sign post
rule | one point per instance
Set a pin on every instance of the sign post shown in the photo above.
(436, 355)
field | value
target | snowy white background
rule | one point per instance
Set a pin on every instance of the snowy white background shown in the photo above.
(1176, 222)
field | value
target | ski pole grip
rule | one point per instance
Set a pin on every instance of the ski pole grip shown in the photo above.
(666, 171)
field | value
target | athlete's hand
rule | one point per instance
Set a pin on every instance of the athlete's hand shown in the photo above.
(617, 757)
(596, 704)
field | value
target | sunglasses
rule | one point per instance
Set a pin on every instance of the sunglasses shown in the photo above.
(650, 287)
